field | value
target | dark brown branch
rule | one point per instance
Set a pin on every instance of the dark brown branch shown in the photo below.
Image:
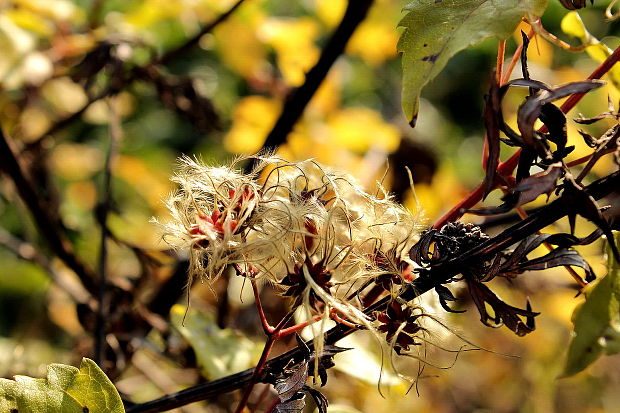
(437, 275)
(102, 213)
(49, 227)
(297, 101)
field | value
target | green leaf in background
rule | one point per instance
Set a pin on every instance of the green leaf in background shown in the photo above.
(573, 26)
(220, 352)
(597, 323)
(66, 389)
(436, 30)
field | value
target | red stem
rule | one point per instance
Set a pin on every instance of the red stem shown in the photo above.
(506, 168)
(261, 313)
(260, 366)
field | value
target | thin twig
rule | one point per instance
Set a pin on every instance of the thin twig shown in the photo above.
(102, 217)
(49, 227)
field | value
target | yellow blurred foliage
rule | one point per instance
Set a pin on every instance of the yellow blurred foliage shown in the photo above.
(151, 184)
(150, 12)
(83, 194)
(293, 41)
(66, 96)
(327, 98)
(358, 129)
(238, 44)
(330, 11)
(539, 51)
(374, 41)
(99, 112)
(75, 161)
(252, 119)
(573, 25)
(30, 21)
(59, 10)
(33, 121)
(445, 191)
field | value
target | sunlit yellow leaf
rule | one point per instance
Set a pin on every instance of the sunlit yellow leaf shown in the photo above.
(573, 26)
(366, 365)
(252, 119)
(66, 96)
(359, 128)
(151, 184)
(74, 161)
(54, 9)
(330, 11)
(31, 21)
(237, 42)
(293, 41)
(150, 12)
(374, 42)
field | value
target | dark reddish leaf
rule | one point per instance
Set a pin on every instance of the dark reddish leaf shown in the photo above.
(574, 4)
(531, 109)
(319, 399)
(528, 189)
(588, 139)
(584, 205)
(511, 317)
(294, 381)
(492, 119)
(446, 295)
(535, 185)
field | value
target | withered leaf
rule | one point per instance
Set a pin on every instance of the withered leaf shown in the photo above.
(294, 405)
(531, 109)
(492, 118)
(294, 382)
(505, 314)
(584, 205)
(518, 263)
(446, 295)
(319, 399)
(535, 185)
(527, 190)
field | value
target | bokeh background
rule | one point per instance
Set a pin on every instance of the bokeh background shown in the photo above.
(245, 67)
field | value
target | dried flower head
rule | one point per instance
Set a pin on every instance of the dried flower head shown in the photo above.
(312, 233)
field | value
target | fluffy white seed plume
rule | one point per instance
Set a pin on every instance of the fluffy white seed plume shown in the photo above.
(313, 233)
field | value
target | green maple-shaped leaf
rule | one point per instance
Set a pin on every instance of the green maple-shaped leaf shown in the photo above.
(597, 323)
(66, 389)
(435, 30)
